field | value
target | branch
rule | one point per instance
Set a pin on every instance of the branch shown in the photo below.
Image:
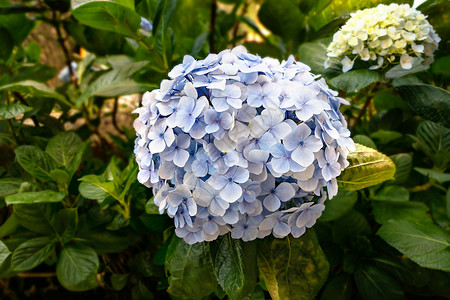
(61, 41)
(212, 25)
(36, 275)
(24, 102)
(366, 104)
(237, 23)
(114, 115)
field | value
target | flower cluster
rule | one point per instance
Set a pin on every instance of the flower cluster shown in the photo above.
(384, 34)
(240, 143)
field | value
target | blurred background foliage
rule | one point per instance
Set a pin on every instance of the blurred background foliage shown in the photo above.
(74, 218)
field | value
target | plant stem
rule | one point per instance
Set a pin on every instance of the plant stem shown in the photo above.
(114, 115)
(366, 104)
(12, 132)
(64, 48)
(24, 102)
(212, 25)
(36, 275)
(420, 188)
(237, 23)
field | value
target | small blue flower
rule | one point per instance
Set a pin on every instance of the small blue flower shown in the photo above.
(177, 151)
(246, 229)
(217, 123)
(183, 69)
(227, 183)
(266, 95)
(328, 162)
(161, 137)
(275, 195)
(276, 222)
(189, 111)
(302, 144)
(271, 120)
(146, 25)
(223, 99)
(282, 161)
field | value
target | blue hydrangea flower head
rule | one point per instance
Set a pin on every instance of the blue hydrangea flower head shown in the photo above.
(241, 144)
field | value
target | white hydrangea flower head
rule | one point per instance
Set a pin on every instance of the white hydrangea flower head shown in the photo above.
(386, 34)
(242, 144)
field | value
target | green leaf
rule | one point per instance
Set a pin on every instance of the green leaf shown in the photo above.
(266, 266)
(12, 110)
(36, 72)
(109, 16)
(7, 42)
(368, 167)
(109, 80)
(32, 253)
(35, 197)
(65, 222)
(4, 252)
(433, 174)
(433, 139)
(386, 100)
(105, 241)
(425, 244)
(129, 176)
(61, 177)
(403, 269)
(293, 268)
(33, 88)
(397, 71)
(403, 165)
(78, 158)
(109, 187)
(442, 66)
(365, 141)
(439, 210)
(341, 204)
(191, 269)
(141, 292)
(35, 161)
(407, 80)
(339, 288)
(375, 284)
(90, 191)
(77, 267)
(163, 12)
(355, 80)
(9, 186)
(283, 18)
(126, 3)
(448, 202)
(235, 267)
(126, 87)
(392, 193)
(118, 281)
(18, 25)
(34, 217)
(95, 41)
(410, 211)
(314, 54)
(156, 222)
(386, 136)
(64, 147)
(429, 102)
(9, 226)
(349, 226)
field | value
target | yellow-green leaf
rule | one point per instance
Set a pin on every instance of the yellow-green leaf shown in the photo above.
(367, 167)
